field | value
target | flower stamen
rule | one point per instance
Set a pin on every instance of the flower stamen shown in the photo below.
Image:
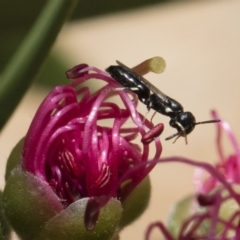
(104, 176)
(69, 162)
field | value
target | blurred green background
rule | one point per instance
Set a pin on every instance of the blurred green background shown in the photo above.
(17, 17)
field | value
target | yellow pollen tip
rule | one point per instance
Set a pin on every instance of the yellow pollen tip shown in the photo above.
(155, 64)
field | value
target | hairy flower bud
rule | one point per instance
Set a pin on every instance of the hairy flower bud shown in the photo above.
(4, 226)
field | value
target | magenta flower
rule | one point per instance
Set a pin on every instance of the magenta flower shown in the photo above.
(213, 212)
(80, 146)
(69, 148)
(214, 216)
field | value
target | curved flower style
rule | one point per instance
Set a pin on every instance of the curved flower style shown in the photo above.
(79, 146)
(228, 166)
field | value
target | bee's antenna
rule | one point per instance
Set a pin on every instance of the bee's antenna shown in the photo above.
(210, 121)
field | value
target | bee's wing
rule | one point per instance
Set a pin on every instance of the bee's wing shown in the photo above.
(145, 82)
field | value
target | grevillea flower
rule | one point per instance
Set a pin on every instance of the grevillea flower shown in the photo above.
(80, 147)
(213, 212)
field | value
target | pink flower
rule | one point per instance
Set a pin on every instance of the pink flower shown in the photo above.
(213, 216)
(70, 146)
(213, 212)
(80, 162)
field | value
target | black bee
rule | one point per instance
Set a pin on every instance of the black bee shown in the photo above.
(154, 99)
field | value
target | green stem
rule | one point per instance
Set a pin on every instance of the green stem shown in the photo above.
(27, 61)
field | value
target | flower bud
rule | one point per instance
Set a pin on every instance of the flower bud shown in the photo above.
(180, 213)
(136, 203)
(4, 226)
(72, 225)
(34, 211)
(14, 159)
(29, 203)
(228, 207)
(79, 164)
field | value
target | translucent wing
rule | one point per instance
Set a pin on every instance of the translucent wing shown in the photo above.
(145, 82)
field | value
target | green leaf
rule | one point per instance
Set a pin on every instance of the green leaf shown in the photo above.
(16, 18)
(25, 64)
(92, 8)
(53, 72)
